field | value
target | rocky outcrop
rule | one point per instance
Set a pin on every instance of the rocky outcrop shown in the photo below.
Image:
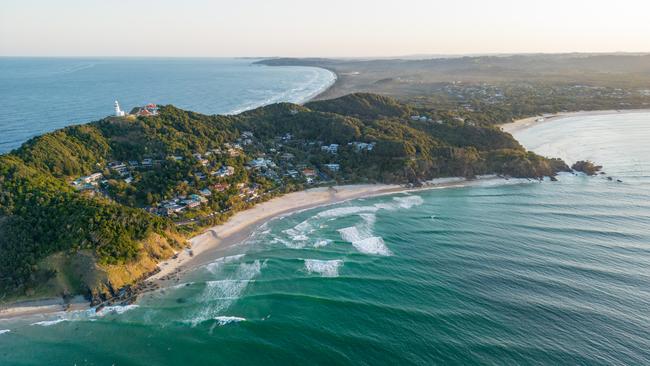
(587, 167)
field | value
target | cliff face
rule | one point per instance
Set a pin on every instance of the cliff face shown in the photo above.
(80, 272)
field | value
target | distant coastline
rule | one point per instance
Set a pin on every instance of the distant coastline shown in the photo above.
(68, 89)
(528, 122)
(325, 92)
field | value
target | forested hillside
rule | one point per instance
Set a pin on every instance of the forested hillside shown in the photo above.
(129, 219)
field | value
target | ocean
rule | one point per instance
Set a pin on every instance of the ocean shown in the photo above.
(504, 272)
(43, 94)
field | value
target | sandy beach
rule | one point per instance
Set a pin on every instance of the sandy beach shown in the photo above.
(43, 307)
(244, 223)
(204, 247)
(239, 227)
(526, 123)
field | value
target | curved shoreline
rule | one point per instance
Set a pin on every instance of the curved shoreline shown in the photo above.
(244, 223)
(526, 123)
(316, 95)
(323, 93)
(237, 230)
(239, 227)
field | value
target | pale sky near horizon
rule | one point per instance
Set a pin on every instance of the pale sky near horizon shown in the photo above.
(335, 28)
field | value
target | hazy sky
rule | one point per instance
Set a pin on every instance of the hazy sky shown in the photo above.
(319, 28)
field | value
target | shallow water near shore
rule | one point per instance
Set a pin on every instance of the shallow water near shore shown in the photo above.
(519, 272)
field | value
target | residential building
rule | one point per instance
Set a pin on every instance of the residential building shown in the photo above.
(261, 163)
(146, 111)
(220, 187)
(308, 172)
(333, 167)
(224, 171)
(332, 148)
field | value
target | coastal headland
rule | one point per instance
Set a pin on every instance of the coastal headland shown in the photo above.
(140, 184)
(105, 208)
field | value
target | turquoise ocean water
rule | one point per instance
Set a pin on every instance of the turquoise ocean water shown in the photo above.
(504, 272)
(42, 94)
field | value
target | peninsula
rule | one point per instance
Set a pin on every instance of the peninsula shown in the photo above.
(94, 208)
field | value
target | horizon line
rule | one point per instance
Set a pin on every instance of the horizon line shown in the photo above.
(416, 55)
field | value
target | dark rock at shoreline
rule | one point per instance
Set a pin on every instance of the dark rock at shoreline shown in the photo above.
(587, 167)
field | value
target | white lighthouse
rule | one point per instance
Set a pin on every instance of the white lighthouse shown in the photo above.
(118, 111)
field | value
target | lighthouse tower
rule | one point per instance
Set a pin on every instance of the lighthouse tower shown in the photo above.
(118, 111)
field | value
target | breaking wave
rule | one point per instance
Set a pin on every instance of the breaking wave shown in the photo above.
(345, 211)
(321, 243)
(363, 240)
(409, 201)
(219, 295)
(3, 331)
(87, 315)
(213, 267)
(403, 202)
(325, 268)
(296, 244)
(223, 320)
(47, 323)
(118, 309)
(373, 245)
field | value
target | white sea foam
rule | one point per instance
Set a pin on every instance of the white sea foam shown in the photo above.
(409, 201)
(223, 320)
(328, 268)
(296, 235)
(363, 239)
(292, 244)
(117, 309)
(76, 315)
(299, 235)
(369, 220)
(373, 245)
(345, 211)
(321, 243)
(304, 227)
(214, 266)
(3, 331)
(350, 234)
(219, 295)
(47, 323)
(403, 202)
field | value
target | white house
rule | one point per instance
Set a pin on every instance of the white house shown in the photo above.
(333, 167)
(261, 163)
(224, 171)
(332, 148)
(92, 178)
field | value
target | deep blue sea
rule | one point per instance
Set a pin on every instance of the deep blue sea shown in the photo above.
(513, 272)
(42, 94)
